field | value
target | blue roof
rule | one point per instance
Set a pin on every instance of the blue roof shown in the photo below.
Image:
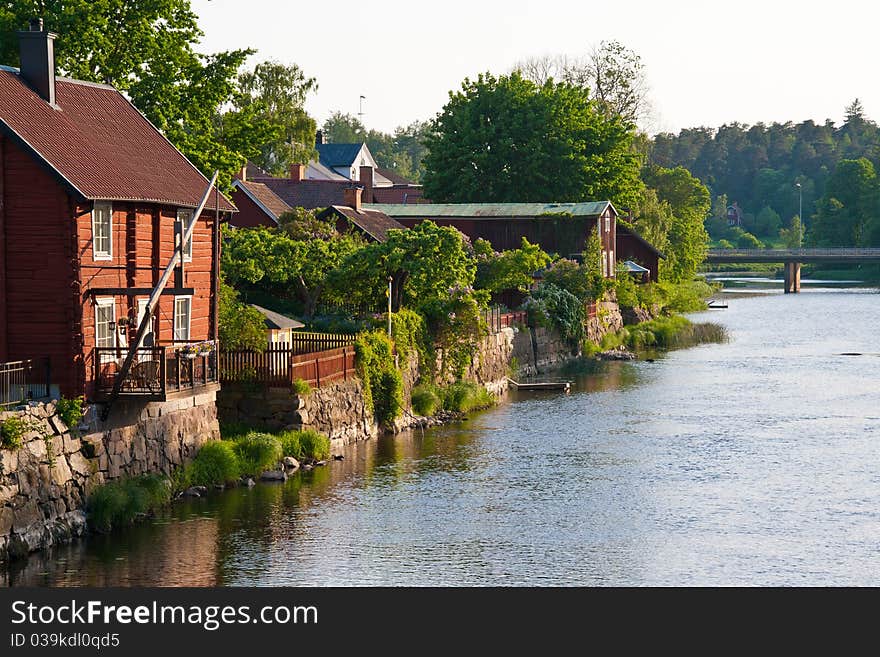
(338, 155)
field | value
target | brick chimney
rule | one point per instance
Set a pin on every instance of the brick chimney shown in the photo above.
(241, 174)
(37, 52)
(352, 197)
(297, 172)
(319, 138)
(366, 179)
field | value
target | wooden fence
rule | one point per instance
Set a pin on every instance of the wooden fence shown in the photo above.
(281, 364)
(307, 343)
(497, 320)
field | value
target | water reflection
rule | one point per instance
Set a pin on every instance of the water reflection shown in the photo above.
(750, 462)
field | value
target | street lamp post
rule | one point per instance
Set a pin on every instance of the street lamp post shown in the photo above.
(800, 212)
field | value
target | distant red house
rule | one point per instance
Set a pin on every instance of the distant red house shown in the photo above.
(92, 197)
(561, 228)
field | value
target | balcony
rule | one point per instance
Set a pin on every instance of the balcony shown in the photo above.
(157, 373)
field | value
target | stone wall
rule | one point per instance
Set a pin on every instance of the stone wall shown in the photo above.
(45, 482)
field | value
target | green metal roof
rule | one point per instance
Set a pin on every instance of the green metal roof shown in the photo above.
(490, 210)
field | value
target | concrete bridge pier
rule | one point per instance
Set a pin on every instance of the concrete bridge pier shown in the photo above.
(792, 277)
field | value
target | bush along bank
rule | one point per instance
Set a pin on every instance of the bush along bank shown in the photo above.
(240, 458)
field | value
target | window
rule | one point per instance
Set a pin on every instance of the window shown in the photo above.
(611, 272)
(607, 224)
(182, 315)
(105, 336)
(102, 231)
(183, 219)
(603, 259)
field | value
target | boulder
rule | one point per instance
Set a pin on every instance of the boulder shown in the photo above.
(250, 483)
(291, 463)
(193, 491)
(274, 475)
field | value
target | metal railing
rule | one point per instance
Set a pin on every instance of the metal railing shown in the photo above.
(496, 319)
(24, 380)
(794, 253)
(156, 371)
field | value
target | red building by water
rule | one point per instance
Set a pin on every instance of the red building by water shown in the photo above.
(92, 198)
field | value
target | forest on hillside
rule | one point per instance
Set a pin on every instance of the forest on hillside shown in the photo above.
(759, 168)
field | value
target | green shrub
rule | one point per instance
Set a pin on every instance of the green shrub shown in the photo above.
(725, 244)
(12, 430)
(314, 445)
(465, 396)
(70, 410)
(257, 452)
(216, 463)
(425, 399)
(302, 387)
(120, 502)
(388, 397)
(383, 384)
(308, 444)
(590, 348)
(290, 443)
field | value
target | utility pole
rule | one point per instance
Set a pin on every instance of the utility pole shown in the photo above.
(361, 109)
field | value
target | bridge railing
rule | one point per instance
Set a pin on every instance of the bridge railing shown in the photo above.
(788, 253)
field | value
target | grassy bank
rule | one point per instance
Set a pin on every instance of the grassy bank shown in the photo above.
(460, 397)
(241, 453)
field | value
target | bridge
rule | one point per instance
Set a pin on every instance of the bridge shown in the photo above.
(793, 258)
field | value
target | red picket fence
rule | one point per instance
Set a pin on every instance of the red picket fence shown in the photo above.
(517, 317)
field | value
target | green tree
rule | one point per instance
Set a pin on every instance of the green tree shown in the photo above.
(768, 222)
(147, 50)
(690, 203)
(241, 326)
(271, 261)
(848, 206)
(426, 263)
(507, 139)
(273, 96)
(508, 270)
(793, 236)
(342, 128)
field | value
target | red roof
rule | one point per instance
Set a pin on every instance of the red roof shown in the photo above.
(99, 144)
(264, 196)
(372, 222)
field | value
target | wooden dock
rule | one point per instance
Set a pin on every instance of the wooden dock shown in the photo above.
(716, 303)
(542, 386)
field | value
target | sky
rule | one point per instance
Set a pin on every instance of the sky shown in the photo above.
(706, 63)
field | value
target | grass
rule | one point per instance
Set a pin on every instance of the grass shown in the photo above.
(302, 388)
(307, 444)
(257, 452)
(426, 399)
(119, 503)
(675, 332)
(216, 463)
(466, 396)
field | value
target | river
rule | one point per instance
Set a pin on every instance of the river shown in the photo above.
(751, 462)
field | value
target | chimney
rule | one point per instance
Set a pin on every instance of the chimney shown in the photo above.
(319, 138)
(352, 197)
(37, 50)
(366, 176)
(241, 174)
(297, 172)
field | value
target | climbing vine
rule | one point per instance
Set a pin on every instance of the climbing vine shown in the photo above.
(383, 384)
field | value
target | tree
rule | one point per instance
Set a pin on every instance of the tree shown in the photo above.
(270, 261)
(426, 263)
(508, 270)
(768, 222)
(241, 326)
(342, 128)
(611, 72)
(401, 152)
(145, 49)
(690, 203)
(849, 205)
(793, 236)
(272, 96)
(507, 139)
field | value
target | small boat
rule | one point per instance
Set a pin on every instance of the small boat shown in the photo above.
(716, 303)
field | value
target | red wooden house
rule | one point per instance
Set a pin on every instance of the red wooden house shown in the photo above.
(92, 200)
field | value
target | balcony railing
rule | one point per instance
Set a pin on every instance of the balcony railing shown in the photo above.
(156, 373)
(24, 380)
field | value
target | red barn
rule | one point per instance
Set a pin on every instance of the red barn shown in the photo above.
(92, 197)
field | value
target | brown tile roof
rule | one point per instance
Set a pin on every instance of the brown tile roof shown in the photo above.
(98, 144)
(308, 194)
(393, 176)
(264, 196)
(375, 224)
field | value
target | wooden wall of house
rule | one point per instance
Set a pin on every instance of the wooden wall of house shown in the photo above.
(37, 317)
(143, 243)
(563, 235)
(249, 215)
(630, 248)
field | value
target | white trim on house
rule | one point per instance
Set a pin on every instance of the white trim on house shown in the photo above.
(178, 334)
(100, 255)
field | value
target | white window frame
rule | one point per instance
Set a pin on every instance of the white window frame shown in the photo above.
(188, 299)
(608, 224)
(184, 213)
(108, 254)
(106, 302)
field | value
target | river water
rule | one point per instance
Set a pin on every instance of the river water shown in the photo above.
(751, 462)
